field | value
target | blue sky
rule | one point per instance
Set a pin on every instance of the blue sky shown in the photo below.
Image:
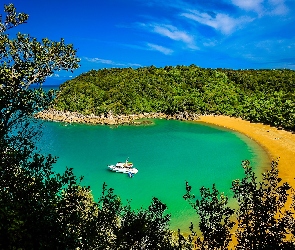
(236, 34)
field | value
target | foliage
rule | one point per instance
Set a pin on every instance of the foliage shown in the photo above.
(215, 218)
(263, 221)
(263, 215)
(256, 95)
(109, 224)
(28, 187)
(41, 209)
(144, 229)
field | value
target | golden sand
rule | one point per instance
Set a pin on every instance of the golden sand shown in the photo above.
(277, 143)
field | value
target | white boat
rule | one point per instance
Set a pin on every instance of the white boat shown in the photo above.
(123, 167)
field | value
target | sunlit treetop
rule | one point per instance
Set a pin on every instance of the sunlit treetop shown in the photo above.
(24, 60)
(12, 18)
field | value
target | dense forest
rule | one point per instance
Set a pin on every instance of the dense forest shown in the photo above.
(265, 96)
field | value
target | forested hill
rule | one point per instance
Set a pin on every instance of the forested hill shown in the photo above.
(257, 95)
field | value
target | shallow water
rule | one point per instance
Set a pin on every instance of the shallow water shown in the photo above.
(166, 154)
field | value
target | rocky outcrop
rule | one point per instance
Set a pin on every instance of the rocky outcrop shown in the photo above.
(110, 118)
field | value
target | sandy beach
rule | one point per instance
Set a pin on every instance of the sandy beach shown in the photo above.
(276, 142)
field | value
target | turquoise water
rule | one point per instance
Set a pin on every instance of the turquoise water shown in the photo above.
(166, 154)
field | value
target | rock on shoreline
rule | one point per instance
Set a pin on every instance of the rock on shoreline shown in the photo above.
(109, 118)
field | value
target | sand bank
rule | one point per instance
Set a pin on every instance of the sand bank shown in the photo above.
(277, 143)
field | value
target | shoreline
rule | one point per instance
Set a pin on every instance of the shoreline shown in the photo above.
(109, 118)
(276, 143)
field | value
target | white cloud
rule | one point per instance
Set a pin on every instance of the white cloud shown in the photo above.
(278, 7)
(159, 48)
(251, 5)
(263, 7)
(98, 60)
(173, 33)
(210, 43)
(110, 62)
(221, 22)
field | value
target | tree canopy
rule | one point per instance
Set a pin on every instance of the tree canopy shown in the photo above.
(257, 95)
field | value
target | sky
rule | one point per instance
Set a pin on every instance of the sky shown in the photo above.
(236, 34)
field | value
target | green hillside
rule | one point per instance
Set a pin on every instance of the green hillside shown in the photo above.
(257, 95)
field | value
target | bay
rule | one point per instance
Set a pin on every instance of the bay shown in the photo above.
(167, 154)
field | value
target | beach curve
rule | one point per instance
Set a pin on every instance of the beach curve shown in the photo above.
(276, 142)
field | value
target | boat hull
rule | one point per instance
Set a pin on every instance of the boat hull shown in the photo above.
(124, 170)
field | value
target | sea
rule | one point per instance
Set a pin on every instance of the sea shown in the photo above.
(167, 153)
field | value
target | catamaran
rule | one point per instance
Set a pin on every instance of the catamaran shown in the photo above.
(123, 167)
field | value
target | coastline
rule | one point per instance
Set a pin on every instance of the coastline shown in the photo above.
(277, 143)
(109, 118)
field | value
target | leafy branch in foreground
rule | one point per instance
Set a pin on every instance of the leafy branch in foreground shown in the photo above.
(264, 222)
(29, 189)
(264, 217)
(41, 209)
(12, 18)
(215, 218)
